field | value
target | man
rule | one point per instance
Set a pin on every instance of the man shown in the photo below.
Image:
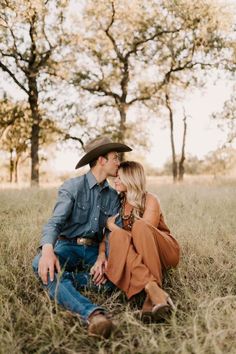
(72, 235)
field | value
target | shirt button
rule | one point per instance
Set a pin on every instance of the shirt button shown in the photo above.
(95, 218)
(92, 232)
(97, 206)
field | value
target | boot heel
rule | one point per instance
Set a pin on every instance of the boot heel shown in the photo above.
(171, 304)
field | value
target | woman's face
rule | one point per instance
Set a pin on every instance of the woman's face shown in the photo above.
(119, 186)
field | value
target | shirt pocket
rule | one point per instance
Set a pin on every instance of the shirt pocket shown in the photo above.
(82, 212)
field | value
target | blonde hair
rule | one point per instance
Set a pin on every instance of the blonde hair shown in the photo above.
(132, 175)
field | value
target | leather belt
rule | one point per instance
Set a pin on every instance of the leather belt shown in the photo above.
(79, 240)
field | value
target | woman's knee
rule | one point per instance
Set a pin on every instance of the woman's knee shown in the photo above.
(118, 235)
(174, 257)
(140, 229)
(140, 223)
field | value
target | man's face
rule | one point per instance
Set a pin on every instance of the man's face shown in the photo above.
(112, 162)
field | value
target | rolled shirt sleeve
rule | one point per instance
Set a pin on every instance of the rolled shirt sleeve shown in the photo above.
(61, 212)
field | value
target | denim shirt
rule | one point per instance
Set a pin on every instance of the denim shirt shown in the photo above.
(82, 209)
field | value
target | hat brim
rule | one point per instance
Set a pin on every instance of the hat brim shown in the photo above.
(100, 151)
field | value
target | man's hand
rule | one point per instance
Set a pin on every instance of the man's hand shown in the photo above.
(98, 269)
(47, 263)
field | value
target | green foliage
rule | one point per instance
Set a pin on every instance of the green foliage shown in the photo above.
(227, 118)
(201, 216)
(16, 129)
(218, 162)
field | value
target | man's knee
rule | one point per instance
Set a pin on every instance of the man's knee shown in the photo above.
(35, 263)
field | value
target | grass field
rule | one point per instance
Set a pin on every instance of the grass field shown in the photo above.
(202, 216)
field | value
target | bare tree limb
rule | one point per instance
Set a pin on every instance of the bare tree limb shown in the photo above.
(4, 68)
(139, 98)
(100, 90)
(68, 136)
(107, 31)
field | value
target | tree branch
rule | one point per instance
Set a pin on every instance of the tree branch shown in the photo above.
(68, 136)
(140, 98)
(5, 68)
(100, 90)
(44, 59)
(151, 38)
(107, 31)
(32, 58)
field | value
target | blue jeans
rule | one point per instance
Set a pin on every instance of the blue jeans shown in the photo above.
(65, 287)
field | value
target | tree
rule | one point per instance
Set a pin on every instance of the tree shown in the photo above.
(112, 45)
(15, 128)
(177, 167)
(160, 46)
(220, 161)
(31, 34)
(227, 119)
(9, 112)
(200, 45)
(182, 158)
(17, 145)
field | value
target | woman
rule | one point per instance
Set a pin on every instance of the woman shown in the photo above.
(140, 244)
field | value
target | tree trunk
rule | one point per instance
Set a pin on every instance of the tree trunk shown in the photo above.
(174, 163)
(36, 118)
(182, 159)
(16, 169)
(122, 106)
(11, 167)
(122, 126)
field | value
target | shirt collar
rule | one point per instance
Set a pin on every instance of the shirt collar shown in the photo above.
(93, 182)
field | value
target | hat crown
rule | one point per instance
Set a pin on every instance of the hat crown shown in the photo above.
(95, 143)
(100, 146)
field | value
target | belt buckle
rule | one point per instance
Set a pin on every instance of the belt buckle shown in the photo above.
(84, 241)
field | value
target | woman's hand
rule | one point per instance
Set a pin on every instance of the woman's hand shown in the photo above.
(98, 269)
(111, 223)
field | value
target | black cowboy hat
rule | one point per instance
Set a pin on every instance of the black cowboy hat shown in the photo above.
(99, 147)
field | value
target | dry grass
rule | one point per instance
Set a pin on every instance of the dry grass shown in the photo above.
(201, 215)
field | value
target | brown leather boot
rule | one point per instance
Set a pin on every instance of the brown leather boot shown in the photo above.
(155, 293)
(146, 312)
(99, 325)
(161, 302)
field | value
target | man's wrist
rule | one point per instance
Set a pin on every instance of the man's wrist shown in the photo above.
(47, 248)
